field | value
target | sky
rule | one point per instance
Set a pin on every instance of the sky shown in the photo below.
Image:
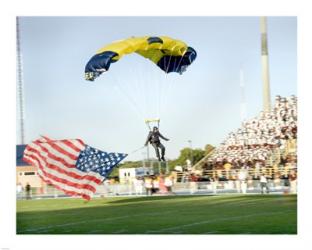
(201, 106)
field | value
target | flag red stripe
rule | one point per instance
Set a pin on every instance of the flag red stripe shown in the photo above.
(54, 157)
(78, 141)
(56, 162)
(62, 171)
(70, 193)
(71, 145)
(62, 151)
(61, 180)
(45, 138)
(82, 144)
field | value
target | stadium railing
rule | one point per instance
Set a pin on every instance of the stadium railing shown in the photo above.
(276, 186)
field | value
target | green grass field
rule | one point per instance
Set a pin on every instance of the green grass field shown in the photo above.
(228, 214)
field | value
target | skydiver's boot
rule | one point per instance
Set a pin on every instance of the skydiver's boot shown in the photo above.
(163, 158)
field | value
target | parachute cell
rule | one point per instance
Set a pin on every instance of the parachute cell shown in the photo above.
(169, 54)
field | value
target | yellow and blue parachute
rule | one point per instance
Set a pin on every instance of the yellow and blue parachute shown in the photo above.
(169, 54)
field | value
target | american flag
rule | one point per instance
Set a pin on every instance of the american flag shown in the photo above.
(71, 165)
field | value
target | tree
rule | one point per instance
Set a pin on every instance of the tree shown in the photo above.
(195, 155)
(188, 153)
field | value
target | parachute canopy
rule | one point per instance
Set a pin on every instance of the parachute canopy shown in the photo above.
(169, 54)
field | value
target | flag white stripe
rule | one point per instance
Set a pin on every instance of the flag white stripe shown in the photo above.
(49, 154)
(60, 165)
(65, 176)
(60, 184)
(60, 148)
(78, 144)
(64, 186)
(57, 153)
(57, 163)
(67, 148)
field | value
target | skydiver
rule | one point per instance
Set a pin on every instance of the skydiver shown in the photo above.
(153, 139)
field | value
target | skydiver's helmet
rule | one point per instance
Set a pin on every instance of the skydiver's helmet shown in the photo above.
(155, 129)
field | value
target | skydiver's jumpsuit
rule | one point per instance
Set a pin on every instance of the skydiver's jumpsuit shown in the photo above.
(153, 138)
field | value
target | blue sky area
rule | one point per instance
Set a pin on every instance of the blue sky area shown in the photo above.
(202, 105)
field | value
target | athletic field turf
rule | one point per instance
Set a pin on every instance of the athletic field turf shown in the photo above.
(227, 214)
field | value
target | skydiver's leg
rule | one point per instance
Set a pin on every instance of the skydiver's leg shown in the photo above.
(163, 150)
(155, 145)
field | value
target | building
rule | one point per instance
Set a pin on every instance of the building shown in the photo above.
(25, 173)
(128, 174)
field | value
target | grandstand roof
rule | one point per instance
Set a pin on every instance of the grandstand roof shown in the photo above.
(19, 155)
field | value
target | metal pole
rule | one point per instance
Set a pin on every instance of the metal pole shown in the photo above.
(148, 158)
(190, 142)
(143, 160)
(265, 65)
(20, 82)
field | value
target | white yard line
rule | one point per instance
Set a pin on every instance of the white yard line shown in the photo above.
(54, 215)
(45, 228)
(212, 221)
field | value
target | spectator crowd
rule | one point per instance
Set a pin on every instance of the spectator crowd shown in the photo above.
(255, 141)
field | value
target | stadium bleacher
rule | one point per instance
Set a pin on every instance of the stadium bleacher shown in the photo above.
(266, 143)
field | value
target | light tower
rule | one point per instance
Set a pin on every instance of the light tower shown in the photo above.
(265, 65)
(20, 91)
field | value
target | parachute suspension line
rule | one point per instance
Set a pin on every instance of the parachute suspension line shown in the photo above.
(172, 81)
(151, 84)
(138, 90)
(144, 46)
(129, 98)
(167, 82)
(159, 83)
(162, 89)
(144, 83)
(147, 86)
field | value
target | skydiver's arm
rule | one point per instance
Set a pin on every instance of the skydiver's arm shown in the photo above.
(148, 138)
(161, 136)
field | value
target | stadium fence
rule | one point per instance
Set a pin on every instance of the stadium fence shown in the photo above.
(281, 186)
